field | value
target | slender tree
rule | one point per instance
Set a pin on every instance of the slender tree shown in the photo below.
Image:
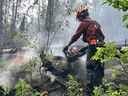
(1, 16)
(49, 20)
(1, 22)
(15, 6)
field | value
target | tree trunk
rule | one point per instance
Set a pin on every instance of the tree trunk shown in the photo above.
(6, 12)
(39, 11)
(1, 16)
(49, 14)
(49, 20)
(1, 23)
(14, 14)
(22, 25)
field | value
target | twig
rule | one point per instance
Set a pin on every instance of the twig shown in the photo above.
(122, 67)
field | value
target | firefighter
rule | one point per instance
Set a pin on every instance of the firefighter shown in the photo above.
(92, 34)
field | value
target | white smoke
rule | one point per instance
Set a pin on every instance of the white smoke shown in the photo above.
(9, 71)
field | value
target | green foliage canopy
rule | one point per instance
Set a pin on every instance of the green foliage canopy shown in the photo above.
(121, 5)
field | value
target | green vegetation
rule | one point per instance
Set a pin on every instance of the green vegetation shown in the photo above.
(24, 89)
(111, 89)
(121, 5)
(108, 53)
(73, 88)
(30, 67)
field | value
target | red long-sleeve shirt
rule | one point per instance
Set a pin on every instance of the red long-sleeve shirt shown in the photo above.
(87, 30)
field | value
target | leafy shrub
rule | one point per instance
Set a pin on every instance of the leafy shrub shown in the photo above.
(24, 89)
(111, 89)
(30, 67)
(109, 52)
(73, 87)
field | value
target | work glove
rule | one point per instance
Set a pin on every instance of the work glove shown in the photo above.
(65, 48)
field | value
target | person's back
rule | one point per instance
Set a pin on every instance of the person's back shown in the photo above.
(90, 30)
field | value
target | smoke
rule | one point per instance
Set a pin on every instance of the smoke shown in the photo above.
(109, 18)
(9, 72)
(110, 22)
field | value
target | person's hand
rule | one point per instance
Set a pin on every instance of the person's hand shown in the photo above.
(65, 48)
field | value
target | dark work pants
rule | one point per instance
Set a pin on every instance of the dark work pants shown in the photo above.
(95, 69)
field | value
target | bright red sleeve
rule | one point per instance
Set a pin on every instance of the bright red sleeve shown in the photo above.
(78, 33)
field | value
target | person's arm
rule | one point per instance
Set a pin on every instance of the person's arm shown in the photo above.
(76, 36)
